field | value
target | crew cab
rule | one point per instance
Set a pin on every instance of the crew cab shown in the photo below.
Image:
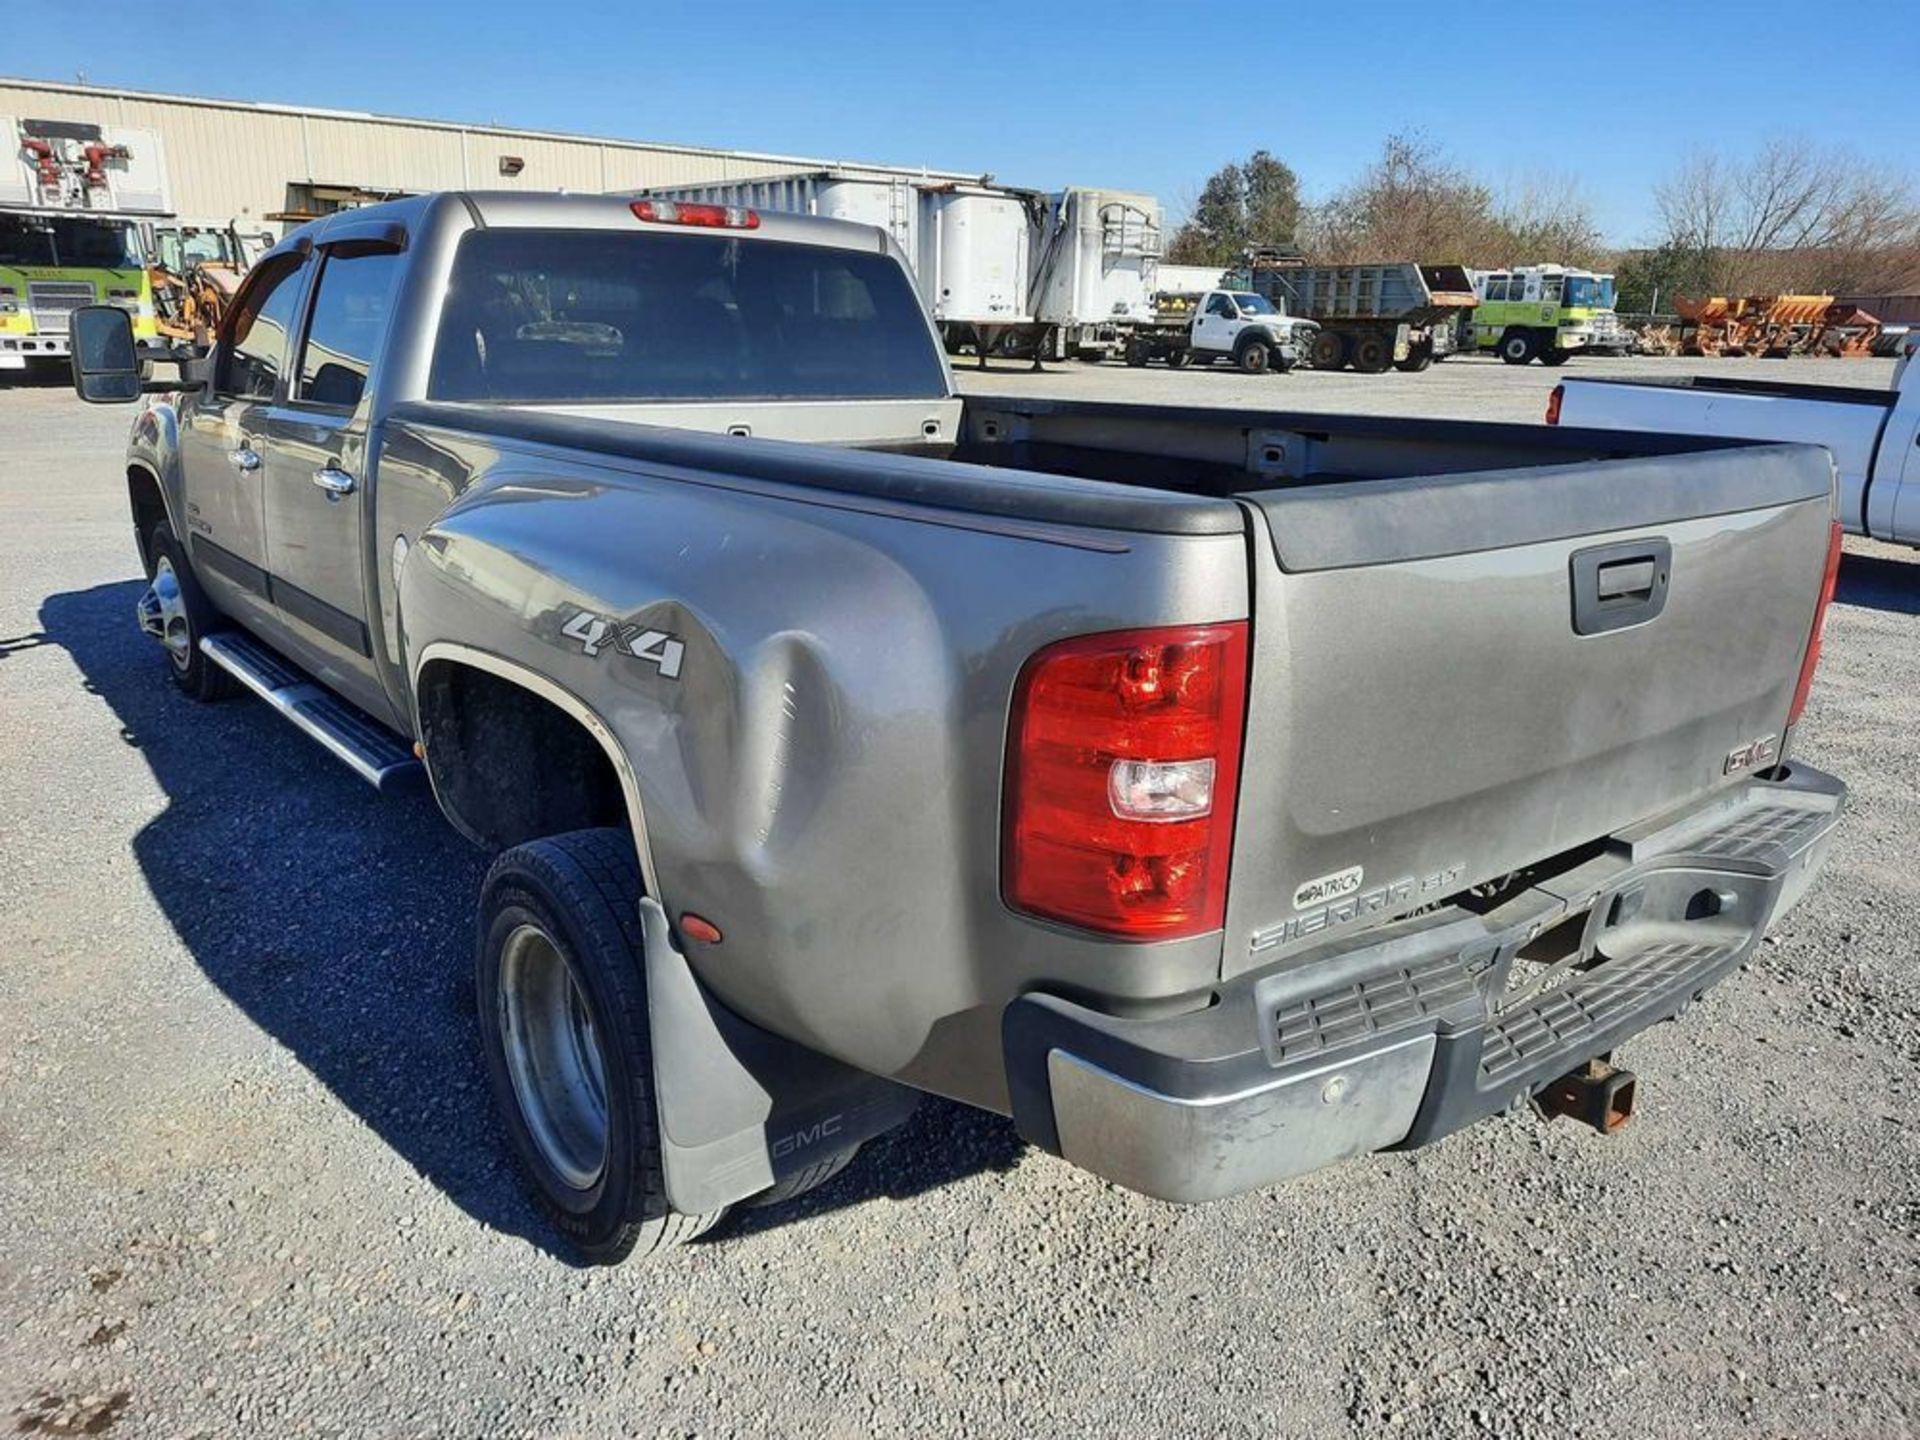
(1873, 435)
(1218, 793)
(1237, 325)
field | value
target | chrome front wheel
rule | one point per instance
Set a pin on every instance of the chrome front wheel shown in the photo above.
(163, 614)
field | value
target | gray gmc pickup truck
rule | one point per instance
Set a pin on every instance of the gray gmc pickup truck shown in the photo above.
(1217, 793)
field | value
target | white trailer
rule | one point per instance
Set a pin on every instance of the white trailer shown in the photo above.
(1095, 268)
(970, 243)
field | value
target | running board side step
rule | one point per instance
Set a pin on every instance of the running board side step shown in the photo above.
(350, 735)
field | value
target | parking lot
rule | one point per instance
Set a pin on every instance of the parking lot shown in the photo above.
(251, 1180)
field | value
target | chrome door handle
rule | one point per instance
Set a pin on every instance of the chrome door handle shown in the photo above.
(245, 458)
(335, 481)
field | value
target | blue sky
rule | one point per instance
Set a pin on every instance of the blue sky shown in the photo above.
(1053, 92)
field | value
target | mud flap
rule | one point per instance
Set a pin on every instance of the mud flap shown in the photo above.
(741, 1107)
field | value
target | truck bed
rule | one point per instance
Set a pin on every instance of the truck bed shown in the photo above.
(1440, 694)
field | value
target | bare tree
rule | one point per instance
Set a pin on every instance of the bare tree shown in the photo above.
(1546, 218)
(1793, 217)
(1416, 203)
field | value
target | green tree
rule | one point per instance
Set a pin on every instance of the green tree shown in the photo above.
(1647, 280)
(1272, 200)
(1252, 203)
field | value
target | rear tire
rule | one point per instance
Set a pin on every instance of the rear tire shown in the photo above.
(1329, 351)
(1518, 347)
(1179, 359)
(563, 1021)
(1553, 355)
(176, 602)
(1372, 355)
(1418, 359)
(1136, 354)
(1253, 356)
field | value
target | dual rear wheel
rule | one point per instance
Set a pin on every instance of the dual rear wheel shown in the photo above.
(565, 1031)
(561, 994)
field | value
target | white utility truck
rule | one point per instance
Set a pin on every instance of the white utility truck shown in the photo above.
(1873, 435)
(1237, 325)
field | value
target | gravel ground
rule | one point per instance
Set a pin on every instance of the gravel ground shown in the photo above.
(251, 1182)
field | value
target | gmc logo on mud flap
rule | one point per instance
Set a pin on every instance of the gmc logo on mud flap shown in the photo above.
(812, 1135)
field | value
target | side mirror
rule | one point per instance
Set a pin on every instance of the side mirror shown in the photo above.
(106, 364)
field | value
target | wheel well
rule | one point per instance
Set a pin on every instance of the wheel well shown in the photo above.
(509, 765)
(149, 509)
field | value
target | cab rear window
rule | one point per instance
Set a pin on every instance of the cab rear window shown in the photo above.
(590, 316)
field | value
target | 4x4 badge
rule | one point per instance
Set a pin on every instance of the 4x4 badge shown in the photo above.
(657, 647)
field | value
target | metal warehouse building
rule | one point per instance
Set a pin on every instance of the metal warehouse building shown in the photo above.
(228, 158)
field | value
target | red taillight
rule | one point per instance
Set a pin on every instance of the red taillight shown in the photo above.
(712, 217)
(1812, 660)
(1553, 404)
(1123, 764)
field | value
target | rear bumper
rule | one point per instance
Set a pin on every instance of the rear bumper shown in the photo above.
(1403, 1035)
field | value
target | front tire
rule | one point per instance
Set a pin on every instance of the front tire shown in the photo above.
(563, 1021)
(1518, 347)
(176, 611)
(1253, 356)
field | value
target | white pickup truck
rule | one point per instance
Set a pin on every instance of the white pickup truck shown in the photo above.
(1873, 435)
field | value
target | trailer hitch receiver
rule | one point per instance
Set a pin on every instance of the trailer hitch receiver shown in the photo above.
(1596, 1094)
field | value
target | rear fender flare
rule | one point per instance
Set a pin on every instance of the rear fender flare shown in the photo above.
(564, 700)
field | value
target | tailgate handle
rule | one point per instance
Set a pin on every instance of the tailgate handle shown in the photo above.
(1626, 577)
(1615, 586)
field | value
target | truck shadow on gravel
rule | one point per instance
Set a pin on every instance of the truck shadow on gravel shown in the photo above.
(1879, 583)
(341, 923)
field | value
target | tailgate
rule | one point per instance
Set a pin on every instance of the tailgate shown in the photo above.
(1455, 677)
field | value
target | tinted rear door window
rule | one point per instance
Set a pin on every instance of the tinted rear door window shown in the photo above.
(349, 320)
(570, 315)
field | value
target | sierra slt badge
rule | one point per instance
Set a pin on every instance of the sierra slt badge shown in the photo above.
(656, 647)
(1329, 887)
(1408, 893)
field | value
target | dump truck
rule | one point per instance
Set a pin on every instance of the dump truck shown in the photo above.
(70, 207)
(1398, 315)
